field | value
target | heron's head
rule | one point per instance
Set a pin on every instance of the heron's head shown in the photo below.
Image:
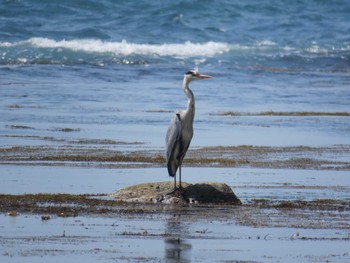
(194, 75)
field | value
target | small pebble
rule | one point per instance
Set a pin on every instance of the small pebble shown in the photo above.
(45, 217)
(12, 213)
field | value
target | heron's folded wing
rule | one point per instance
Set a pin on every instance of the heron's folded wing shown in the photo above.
(172, 136)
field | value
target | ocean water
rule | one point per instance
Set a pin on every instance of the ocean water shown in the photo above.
(113, 70)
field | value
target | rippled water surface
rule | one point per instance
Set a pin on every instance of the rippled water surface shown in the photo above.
(107, 70)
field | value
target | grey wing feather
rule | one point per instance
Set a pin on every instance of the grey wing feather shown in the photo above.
(172, 144)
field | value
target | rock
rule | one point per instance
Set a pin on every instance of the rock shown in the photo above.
(162, 192)
(45, 217)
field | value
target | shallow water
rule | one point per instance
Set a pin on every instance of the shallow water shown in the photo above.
(182, 235)
(164, 238)
(248, 184)
(140, 110)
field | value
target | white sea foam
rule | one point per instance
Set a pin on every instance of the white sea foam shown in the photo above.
(124, 48)
(178, 50)
(265, 43)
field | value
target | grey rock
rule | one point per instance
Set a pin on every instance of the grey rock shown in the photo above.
(162, 193)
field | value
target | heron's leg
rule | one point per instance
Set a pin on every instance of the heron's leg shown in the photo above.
(180, 186)
(174, 182)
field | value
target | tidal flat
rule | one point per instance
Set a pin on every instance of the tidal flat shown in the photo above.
(57, 181)
(95, 228)
(56, 205)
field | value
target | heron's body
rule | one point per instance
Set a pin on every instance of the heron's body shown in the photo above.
(180, 131)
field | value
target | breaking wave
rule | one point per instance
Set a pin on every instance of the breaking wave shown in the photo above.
(36, 48)
(50, 51)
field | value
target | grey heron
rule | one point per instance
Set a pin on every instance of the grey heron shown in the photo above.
(180, 130)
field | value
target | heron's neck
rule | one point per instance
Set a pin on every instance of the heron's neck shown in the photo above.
(190, 103)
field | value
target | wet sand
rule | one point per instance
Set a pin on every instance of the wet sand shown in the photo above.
(56, 205)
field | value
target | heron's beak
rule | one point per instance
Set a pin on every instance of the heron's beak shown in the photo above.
(202, 76)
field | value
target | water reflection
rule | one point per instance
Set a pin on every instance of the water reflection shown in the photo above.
(177, 247)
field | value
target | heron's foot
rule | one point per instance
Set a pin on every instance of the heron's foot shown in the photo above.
(178, 191)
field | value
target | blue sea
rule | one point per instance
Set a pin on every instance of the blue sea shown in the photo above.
(113, 70)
